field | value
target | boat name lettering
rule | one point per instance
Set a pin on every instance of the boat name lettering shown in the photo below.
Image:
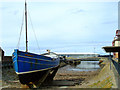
(28, 55)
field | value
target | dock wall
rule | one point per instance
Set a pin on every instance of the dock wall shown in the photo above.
(115, 67)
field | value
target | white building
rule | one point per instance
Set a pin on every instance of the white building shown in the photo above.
(78, 55)
(116, 42)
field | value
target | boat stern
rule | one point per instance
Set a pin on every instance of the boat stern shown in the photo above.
(14, 58)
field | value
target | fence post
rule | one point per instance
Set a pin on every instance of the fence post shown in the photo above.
(119, 70)
(119, 57)
(110, 60)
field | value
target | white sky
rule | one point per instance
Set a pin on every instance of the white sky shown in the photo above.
(58, 24)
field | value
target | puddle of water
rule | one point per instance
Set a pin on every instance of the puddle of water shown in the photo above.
(85, 66)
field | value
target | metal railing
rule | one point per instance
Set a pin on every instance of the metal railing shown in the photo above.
(117, 66)
(116, 70)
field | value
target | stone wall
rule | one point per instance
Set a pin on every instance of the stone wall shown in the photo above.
(1, 54)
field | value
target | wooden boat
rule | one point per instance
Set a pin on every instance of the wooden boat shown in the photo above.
(32, 67)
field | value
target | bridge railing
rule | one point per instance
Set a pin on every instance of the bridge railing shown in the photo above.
(115, 66)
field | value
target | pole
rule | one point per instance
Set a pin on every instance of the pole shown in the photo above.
(26, 25)
(110, 60)
(119, 57)
(118, 69)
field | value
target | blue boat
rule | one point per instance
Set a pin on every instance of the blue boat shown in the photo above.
(26, 62)
(32, 67)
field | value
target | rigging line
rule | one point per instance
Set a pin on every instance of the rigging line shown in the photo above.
(34, 31)
(20, 30)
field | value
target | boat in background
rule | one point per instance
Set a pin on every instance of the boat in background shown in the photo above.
(32, 67)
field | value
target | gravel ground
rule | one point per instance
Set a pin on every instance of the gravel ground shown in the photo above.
(10, 79)
(77, 77)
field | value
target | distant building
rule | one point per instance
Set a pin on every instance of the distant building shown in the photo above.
(1, 54)
(116, 42)
(78, 55)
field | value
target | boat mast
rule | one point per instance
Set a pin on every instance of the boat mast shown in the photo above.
(26, 25)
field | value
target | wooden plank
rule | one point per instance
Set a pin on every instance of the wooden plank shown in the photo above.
(112, 48)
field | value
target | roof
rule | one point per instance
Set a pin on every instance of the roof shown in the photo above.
(74, 53)
(117, 32)
(112, 48)
(49, 53)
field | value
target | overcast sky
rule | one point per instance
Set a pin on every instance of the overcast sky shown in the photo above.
(58, 25)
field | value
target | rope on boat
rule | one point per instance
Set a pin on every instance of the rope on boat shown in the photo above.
(18, 44)
(34, 31)
(21, 30)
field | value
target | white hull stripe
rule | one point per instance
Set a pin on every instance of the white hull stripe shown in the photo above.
(13, 57)
(33, 63)
(36, 70)
(35, 58)
(14, 61)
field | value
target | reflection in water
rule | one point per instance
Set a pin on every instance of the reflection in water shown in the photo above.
(75, 64)
(86, 66)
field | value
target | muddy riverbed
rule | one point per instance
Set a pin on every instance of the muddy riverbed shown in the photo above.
(66, 78)
(63, 78)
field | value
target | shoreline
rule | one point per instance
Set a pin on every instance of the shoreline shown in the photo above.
(63, 78)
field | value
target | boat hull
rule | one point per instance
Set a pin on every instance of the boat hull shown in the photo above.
(36, 76)
(31, 67)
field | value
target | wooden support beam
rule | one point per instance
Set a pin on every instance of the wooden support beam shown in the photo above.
(119, 57)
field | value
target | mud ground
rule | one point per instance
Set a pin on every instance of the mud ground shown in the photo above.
(63, 78)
